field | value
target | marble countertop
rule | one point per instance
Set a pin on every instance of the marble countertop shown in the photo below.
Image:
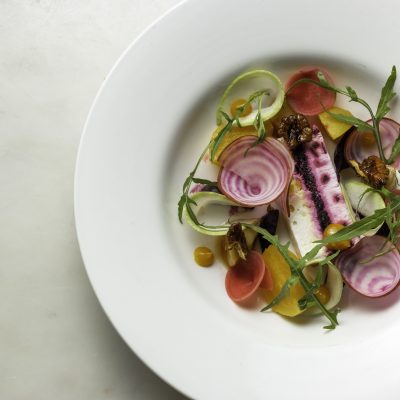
(56, 342)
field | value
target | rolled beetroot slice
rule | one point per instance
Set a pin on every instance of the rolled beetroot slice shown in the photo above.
(253, 176)
(375, 278)
(245, 277)
(360, 145)
(307, 98)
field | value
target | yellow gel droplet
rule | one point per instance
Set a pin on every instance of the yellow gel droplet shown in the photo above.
(203, 256)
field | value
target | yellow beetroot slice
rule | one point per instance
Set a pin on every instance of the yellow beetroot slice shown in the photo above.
(307, 98)
(267, 283)
(245, 277)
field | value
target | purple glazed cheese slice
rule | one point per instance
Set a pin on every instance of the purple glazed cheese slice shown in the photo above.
(315, 196)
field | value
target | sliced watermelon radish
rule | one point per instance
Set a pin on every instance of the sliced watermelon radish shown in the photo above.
(367, 274)
(307, 98)
(245, 277)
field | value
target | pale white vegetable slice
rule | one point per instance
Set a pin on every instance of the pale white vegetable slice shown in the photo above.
(362, 199)
(214, 222)
(334, 284)
(246, 84)
(213, 212)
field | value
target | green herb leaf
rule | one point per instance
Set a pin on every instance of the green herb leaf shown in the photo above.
(308, 299)
(187, 182)
(318, 279)
(191, 213)
(323, 81)
(357, 228)
(217, 141)
(283, 293)
(205, 181)
(335, 321)
(352, 93)
(189, 200)
(395, 150)
(181, 204)
(349, 119)
(328, 260)
(387, 95)
(310, 255)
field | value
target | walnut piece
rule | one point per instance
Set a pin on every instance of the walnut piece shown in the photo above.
(375, 171)
(295, 129)
(236, 240)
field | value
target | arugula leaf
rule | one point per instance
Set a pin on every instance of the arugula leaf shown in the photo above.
(283, 292)
(310, 255)
(307, 300)
(328, 260)
(318, 279)
(383, 108)
(357, 228)
(395, 150)
(349, 119)
(295, 268)
(352, 93)
(323, 82)
(387, 95)
(333, 325)
(217, 141)
(204, 181)
(181, 204)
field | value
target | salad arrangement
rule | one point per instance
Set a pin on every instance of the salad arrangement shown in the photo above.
(296, 224)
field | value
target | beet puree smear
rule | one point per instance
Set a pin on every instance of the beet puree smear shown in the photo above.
(303, 168)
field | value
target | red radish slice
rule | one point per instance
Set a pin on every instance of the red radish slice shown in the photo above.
(267, 283)
(307, 98)
(257, 177)
(360, 145)
(376, 277)
(244, 278)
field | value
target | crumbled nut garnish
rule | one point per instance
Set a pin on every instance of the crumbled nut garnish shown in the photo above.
(375, 170)
(295, 129)
(236, 240)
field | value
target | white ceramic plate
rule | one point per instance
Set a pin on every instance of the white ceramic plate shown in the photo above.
(149, 121)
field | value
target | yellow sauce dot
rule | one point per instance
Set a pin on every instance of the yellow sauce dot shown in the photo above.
(323, 294)
(203, 256)
(238, 103)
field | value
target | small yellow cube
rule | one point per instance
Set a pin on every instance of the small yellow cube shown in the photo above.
(334, 128)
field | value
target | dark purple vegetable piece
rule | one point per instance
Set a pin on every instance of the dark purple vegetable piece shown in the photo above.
(383, 230)
(210, 188)
(269, 222)
(339, 156)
